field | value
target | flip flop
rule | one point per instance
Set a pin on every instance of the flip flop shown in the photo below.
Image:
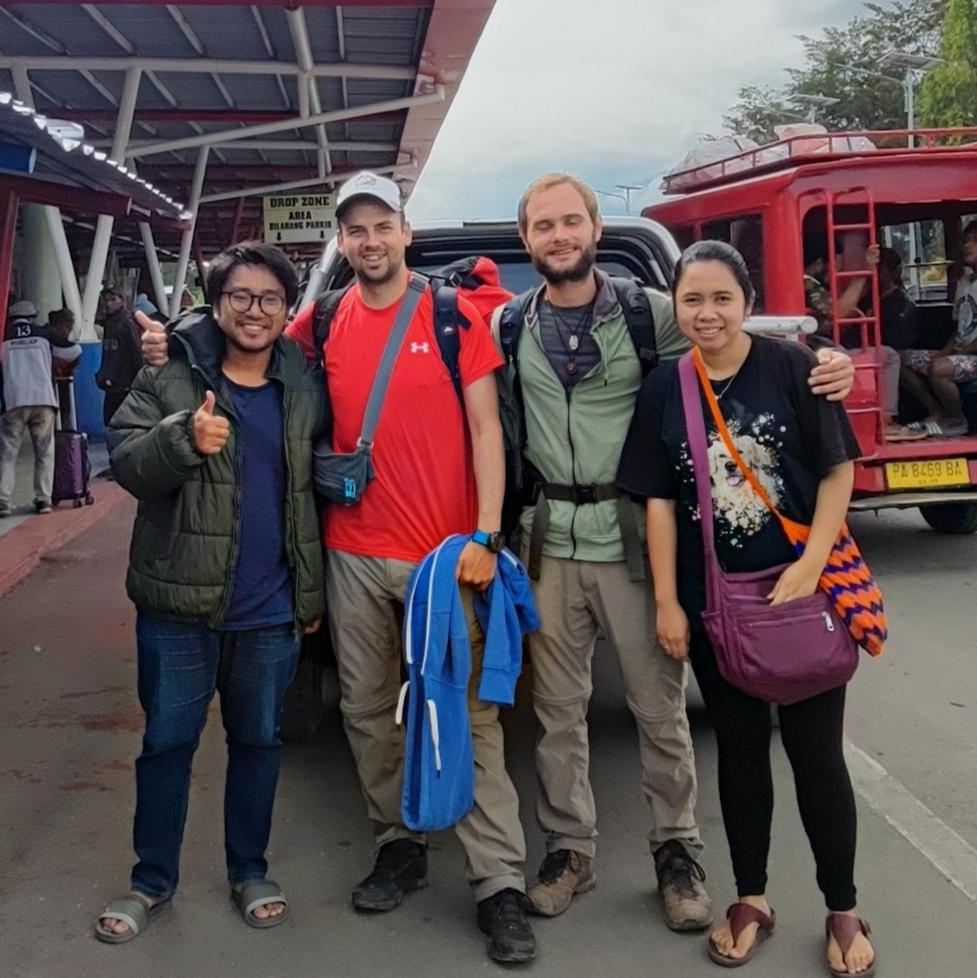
(134, 910)
(938, 429)
(844, 928)
(259, 893)
(740, 916)
(903, 433)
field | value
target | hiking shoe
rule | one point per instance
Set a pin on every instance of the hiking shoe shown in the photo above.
(563, 874)
(400, 867)
(502, 917)
(42, 507)
(680, 878)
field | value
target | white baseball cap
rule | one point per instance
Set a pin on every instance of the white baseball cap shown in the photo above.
(366, 184)
(25, 309)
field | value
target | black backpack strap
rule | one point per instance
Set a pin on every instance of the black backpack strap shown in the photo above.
(322, 317)
(448, 320)
(511, 322)
(636, 307)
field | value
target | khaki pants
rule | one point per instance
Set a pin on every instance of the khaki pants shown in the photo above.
(576, 599)
(362, 593)
(39, 423)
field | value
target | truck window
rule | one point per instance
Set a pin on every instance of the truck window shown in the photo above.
(745, 234)
(922, 247)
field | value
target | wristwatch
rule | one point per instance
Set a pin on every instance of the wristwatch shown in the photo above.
(493, 541)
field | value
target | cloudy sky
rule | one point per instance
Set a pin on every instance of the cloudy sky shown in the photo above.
(615, 90)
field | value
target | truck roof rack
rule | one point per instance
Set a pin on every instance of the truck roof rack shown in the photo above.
(813, 148)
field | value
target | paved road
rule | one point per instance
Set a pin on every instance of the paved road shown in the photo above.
(69, 725)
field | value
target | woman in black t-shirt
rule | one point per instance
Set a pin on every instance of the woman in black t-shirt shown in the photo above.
(800, 447)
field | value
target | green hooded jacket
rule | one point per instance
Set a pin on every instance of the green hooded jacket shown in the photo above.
(576, 436)
(185, 540)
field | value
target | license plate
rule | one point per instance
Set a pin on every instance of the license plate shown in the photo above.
(929, 472)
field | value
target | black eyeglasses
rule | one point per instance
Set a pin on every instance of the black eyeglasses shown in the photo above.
(270, 303)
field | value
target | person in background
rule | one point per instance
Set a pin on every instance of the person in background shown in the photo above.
(934, 376)
(59, 326)
(819, 305)
(30, 402)
(121, 355)
(897, 310)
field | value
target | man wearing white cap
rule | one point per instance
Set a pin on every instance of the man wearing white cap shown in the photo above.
(439, 470)
(30, 402)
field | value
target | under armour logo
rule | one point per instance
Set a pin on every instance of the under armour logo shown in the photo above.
(420, 348)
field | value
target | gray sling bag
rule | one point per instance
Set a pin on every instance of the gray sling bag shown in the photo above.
(342, 477)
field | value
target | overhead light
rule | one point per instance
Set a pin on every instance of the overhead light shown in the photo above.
(149, 186)
(122, 169)
(185, 216)
(6, 98)
(100, 156)
(87, 149)
(41, 122)
(19, 106)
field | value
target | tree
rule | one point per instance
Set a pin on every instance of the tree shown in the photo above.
(864, 101)
(948, 95)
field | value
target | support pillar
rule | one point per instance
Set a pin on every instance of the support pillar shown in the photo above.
(152, 262)
(41, 279)
(180, 281)
(103, 227)
(66, 266)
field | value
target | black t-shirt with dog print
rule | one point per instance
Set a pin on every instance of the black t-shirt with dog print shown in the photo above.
(790, 438)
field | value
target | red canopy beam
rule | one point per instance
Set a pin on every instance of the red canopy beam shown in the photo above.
(83, 201)
(289, 4)
(8, 222)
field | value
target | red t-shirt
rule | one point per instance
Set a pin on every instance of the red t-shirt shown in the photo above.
(424, 485)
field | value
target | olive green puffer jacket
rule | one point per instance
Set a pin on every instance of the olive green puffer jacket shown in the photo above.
(185, 538)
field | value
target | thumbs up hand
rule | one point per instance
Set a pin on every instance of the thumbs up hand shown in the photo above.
(154, 341)
(208, 431)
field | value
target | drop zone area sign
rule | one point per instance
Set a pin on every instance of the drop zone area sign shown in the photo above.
(297, 218)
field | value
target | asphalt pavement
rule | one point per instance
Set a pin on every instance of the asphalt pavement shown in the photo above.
(70, 728)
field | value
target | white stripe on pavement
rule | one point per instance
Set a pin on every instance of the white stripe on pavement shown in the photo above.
(952, 855)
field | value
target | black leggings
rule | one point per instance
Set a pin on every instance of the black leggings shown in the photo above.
(811, 732)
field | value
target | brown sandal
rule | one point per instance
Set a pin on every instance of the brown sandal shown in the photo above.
(740, 916)
(844, 928)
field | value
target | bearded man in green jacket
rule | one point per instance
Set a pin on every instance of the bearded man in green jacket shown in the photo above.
(225, 569)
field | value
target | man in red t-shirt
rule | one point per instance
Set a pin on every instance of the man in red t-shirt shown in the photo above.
(439, 469)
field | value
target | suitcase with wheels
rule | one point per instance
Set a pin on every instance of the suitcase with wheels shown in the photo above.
(72, 468)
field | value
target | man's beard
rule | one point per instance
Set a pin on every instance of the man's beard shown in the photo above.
(575, 273)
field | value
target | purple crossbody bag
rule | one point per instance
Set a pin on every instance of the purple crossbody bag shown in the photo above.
(783, 653)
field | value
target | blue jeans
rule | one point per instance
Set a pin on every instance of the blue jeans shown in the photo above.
(181, 664)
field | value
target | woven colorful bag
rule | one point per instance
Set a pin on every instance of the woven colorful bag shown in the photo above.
(846, 578)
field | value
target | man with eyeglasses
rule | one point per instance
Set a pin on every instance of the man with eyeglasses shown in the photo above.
(225, 570)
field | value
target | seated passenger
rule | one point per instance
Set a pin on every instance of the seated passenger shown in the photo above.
(897, 311)
(934, 376)
(818, 299)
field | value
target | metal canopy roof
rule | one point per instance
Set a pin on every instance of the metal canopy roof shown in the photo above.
(374, 79)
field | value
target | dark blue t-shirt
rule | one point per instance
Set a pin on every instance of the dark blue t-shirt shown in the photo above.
(262, 593)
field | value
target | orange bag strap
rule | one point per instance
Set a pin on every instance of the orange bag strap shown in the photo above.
(720, 422)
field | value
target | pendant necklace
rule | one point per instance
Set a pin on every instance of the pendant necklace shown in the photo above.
(572, 342)
(729, 383)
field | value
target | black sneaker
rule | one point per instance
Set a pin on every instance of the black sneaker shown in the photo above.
(401, 867)
(503, 917)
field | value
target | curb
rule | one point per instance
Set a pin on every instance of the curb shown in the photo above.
(23, 547)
